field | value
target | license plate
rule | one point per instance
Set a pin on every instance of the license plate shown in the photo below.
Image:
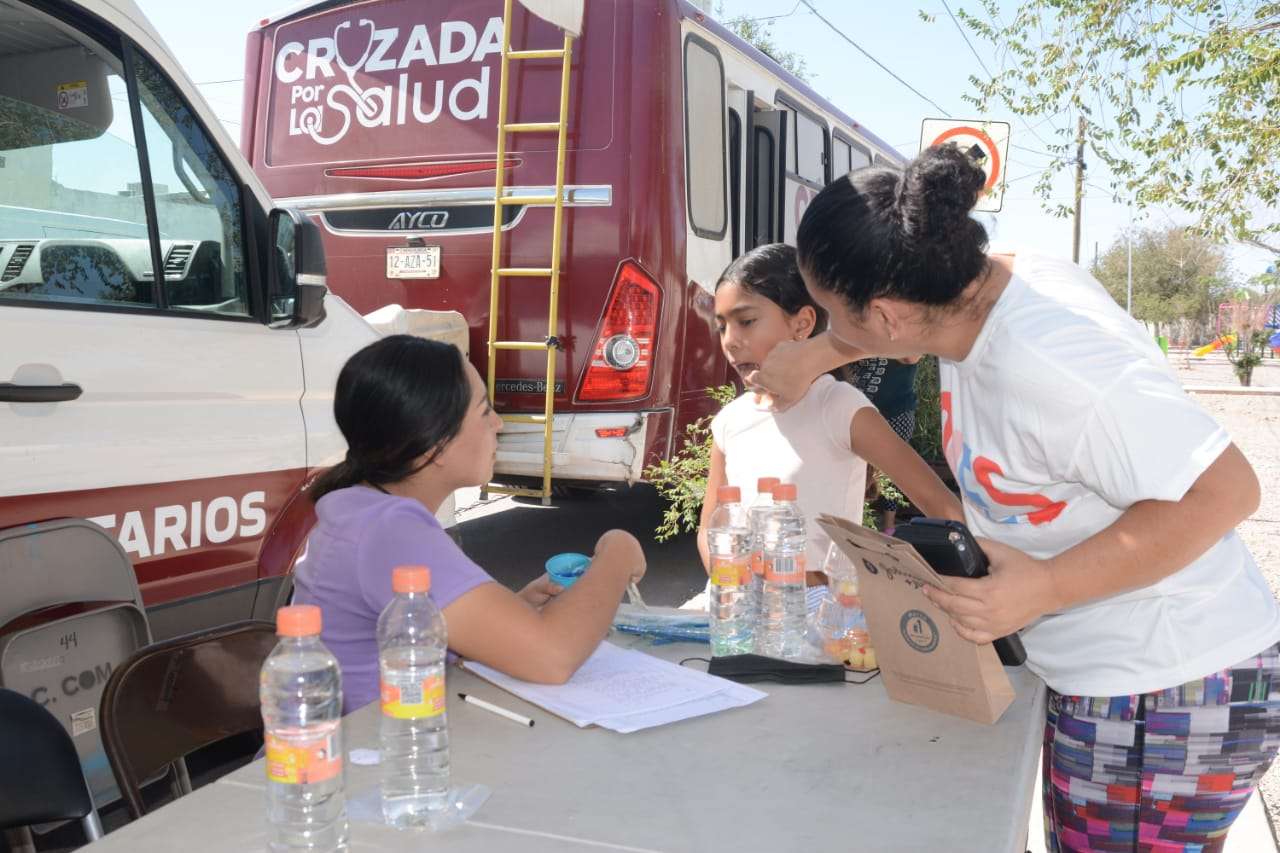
(413, 262)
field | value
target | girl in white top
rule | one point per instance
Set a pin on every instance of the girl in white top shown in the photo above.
(1107, 497)
(824, 442)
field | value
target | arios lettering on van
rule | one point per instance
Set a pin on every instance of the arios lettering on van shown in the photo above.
(324, 102)
(179, 527)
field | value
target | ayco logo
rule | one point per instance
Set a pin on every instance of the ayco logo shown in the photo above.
(324, 102)
(419, 220)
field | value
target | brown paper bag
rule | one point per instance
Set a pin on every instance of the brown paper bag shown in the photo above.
(923, 661)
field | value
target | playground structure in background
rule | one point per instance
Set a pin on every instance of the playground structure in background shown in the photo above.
(1227, 311)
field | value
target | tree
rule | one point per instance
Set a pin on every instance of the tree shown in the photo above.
(1181, 99)
(759, 34)
(1178, 274)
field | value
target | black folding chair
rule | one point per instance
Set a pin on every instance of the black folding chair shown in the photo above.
(40, 776)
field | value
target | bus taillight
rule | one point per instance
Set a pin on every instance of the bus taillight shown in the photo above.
(622, 358)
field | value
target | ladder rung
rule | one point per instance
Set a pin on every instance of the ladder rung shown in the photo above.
(524, 419)
(518, 492)
(552, 53)
(532, 127)
(510, 200)
(525, 272)
(520, 345)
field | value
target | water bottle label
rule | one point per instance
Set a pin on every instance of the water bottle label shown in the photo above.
(726, 571)
(306, 760)
(786, 571)
(411, 699)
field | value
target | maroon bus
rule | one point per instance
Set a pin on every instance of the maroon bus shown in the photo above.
(686, 147)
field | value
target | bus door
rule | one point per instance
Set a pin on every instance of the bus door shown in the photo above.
(766, 185)
(807, 163)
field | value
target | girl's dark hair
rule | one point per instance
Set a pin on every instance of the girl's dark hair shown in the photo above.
(772, 272)
(397, 399)
(906, 235)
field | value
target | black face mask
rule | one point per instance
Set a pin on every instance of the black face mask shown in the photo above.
(747, 669)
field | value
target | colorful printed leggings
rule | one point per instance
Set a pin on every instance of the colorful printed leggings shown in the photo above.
(1163, 772)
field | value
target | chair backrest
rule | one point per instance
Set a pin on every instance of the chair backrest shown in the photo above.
(175, 697)
(40, 778)
(59, 562)
(70, 612)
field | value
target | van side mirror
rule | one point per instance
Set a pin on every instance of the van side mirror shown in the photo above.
(296, 278)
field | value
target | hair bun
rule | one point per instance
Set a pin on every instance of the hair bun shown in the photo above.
(938, 190)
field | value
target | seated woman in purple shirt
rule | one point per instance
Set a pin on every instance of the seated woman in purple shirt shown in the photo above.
(418, 426)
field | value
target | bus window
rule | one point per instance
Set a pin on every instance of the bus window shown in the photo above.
(810, 149)
(840, 158)
(859, 157)
(705, 144)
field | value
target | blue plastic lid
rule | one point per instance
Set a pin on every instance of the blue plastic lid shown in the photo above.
(566, 568)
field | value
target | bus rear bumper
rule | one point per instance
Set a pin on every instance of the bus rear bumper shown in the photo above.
(589, 446)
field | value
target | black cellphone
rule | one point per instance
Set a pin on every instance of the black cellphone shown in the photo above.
(951, 551)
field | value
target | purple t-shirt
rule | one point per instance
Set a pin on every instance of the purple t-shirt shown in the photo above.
(360, 536)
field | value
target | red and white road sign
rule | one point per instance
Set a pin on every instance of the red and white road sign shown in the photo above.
(988, 141)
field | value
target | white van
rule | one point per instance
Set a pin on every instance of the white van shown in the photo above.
(182, 411)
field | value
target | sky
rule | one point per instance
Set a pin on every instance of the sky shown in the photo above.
(208, 40)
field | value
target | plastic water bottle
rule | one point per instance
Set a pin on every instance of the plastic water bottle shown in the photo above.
(412, 645)
(301, 694)
(780, 631)
(729, 544)
(756, 513)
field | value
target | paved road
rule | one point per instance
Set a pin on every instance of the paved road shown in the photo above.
(512, 537)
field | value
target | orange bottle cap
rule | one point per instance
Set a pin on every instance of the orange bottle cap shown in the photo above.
(406, 579)
(766, 484)
(728, 494)
(784, 492)
(298, 620)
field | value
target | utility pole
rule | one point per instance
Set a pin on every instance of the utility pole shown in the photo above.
(1075, 237)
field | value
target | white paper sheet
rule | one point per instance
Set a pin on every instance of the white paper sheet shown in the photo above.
(565, 14)
(626, 690)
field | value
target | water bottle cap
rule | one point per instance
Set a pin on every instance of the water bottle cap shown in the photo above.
(405, 579)
(298, 620)
(784, 492)
(728, 494)
(765, 484)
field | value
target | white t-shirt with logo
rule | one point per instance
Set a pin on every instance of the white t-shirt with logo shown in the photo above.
(808, 445)
(1063, 415)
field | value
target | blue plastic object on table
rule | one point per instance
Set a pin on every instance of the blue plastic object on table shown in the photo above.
(566, 568)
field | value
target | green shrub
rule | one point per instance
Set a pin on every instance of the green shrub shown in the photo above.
(682, 479)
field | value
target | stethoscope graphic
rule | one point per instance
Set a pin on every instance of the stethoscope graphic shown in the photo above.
(364, 100)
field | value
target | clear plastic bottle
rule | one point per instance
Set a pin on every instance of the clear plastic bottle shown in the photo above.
(780, 631)
(756, 513)
(840, 625)
(300, 689)
(412, 644)
(729, 545)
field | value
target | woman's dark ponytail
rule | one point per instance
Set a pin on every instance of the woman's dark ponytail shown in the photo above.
(904, 234)
(398, 402)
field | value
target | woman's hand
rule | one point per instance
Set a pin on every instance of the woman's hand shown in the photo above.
(1017, 590)
(538, 592)
(792, 366)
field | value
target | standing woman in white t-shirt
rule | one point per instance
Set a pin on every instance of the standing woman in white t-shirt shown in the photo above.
(824, 442)
(1107, 499)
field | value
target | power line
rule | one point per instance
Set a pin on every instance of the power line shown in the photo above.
(217, 82)
(992, 77)
(965, 36)
(882, 66)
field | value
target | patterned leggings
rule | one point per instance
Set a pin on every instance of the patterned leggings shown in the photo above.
(1163, 772)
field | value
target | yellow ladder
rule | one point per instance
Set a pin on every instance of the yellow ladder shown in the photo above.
(498, 273)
